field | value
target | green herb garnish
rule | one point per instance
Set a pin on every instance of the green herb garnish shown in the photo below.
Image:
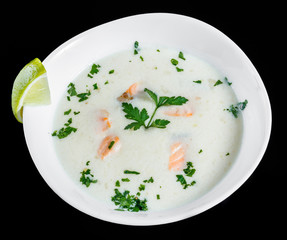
(117, 183)
(67, 112)
(235, 109)
(198, 81)
(127, 202)
(84, 96)
(189, 171)
(179, 69)
(136, 47)
(65, 131)
(87, 177)
(131, 172)
(95, 86)
(226, 80)
(72, 89)
(133, 113)
(95, 69)
(142, 187)
(149, 180)
(111, 71)
(174, 61)
(111, 144)
(180, 55)
(218, 82)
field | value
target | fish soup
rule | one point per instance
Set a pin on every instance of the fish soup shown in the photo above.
(148, 129)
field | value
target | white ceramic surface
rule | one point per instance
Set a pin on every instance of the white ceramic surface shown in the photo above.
(157, 29)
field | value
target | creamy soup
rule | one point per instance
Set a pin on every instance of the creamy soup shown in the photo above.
(148, 129)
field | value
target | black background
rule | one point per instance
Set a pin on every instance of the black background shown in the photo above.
(31, 208)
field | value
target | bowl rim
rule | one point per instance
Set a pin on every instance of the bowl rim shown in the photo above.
(203, 207)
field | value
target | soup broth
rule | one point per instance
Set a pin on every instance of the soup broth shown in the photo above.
(169, 163)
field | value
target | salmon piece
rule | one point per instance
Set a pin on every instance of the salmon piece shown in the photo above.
(103, 121)
(128, 94)
(176, 159)
(109, 145)
(182, 111)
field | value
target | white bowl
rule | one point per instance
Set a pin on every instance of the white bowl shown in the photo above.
(158, 29)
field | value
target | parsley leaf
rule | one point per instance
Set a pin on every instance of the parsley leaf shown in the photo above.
(127, 202)
(131, 172)
(173, 61)
(64, 131)
(71, 89)
(189, 171)
(136, 47)
(87, 177)
(235, 109)
(95, 69)
(133, 113)
(180, 55)
(159, 123)
(218, 82)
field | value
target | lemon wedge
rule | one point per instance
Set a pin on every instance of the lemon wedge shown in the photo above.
(30, 88)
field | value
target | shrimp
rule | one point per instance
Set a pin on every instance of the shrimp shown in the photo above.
(176, 159)
(129, 93)
(103, 120)
(109, 144)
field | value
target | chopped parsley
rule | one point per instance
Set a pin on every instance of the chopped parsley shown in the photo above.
(72, 90)
(179, 69)
(111, 71)
(84, 96)
(95, 86)
(127, 202)
(189, 171)
(180, 55)
(174, 61)
(111, 144)
(200, 151)
(236, 109)
(218, 82)
(139, 117)
(149, 180)
(117, 183)
(142, 187)
(197, 81)
(87, 177)
(64, 131)
(131, 172)
(226, 80)
(136, 48)
(95, 69)
(67, 112)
